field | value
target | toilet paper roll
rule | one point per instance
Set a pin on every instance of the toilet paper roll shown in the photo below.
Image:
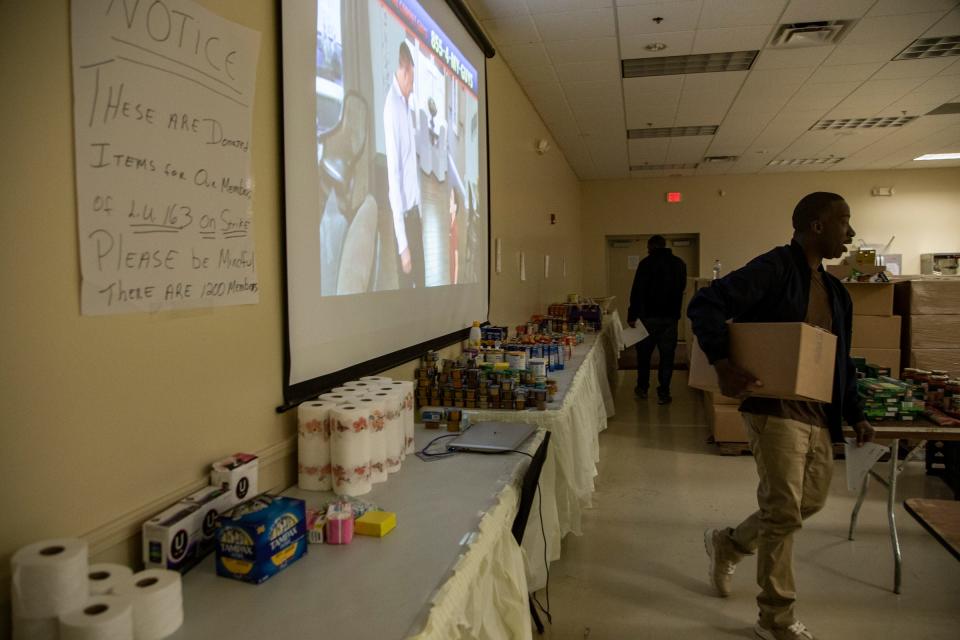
(35, 628)
(350, 450)
(377, 423)
(157, 603)
(104, 577)
(103, 617)
(363, 385)
(49, 577)
(393, 416)
(313, 445)
(348, 390)
(408, 418)
(337, 398)
(378, 379)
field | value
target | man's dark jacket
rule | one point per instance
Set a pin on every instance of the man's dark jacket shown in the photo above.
(658, 286)
(775, 287)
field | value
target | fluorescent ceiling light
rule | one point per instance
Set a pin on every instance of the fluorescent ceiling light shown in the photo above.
(939, 156)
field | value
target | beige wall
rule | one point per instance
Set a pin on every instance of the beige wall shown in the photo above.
(753, 215)
(107, 418)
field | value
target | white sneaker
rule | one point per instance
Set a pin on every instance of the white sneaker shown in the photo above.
(721, 568)
(796, 631)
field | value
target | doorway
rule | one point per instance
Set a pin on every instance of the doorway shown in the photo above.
(624, 253)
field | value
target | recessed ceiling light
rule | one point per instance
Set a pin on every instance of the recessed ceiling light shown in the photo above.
(655, 46)
(663, 167)
(672, 132)
(696, 63)
(802, 162)
(931, 48)
(939, 156)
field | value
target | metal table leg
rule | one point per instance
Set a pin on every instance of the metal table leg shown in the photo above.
(891, 502)
(856, 507)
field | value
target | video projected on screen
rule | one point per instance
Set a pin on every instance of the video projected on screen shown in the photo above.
(398, 151)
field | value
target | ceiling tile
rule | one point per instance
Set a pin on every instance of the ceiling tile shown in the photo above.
(607, 121)
(820, 96)
(949, 25)
(525, 54)
(740, 13)
(571, 25)
(698, 113)
(675, 16)
(653, 88)
(717, 83)
(597, 89)
(648, 150)
(815, 10)
(679, 43)
(845, 73)
(899, 7)
(487, 9)
(855, 54)
(552, 6)
(585, 100)
(512, 30)
(582, 50)
(786, 58)
(953, 69)
(608, 71)
(544, 91)
(687, 149)
(923, 68)
(730, 39)
(899, 29)
(534, 73)
(650, 115)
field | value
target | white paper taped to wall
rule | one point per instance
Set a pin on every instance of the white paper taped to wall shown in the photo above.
(163, 102)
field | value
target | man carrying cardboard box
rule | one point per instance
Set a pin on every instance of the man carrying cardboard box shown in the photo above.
(790, 439)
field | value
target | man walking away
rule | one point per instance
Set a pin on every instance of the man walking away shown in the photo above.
(655, 300)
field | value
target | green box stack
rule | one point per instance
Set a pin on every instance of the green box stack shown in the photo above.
(885, 398)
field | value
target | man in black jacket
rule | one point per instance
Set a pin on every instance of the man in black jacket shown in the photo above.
(655, 300)
(790, 440)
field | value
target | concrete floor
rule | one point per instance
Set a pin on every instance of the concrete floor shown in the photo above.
(639, 569)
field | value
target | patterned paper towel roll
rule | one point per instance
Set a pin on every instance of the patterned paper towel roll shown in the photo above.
(350, 450)
(49, 578)
(157, 598)
(103, 617)
(105, 577)
(407, 387)
(313, 445)
(396, 435)
(378, 436)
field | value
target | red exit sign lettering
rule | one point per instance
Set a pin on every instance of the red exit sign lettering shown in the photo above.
(674, 196)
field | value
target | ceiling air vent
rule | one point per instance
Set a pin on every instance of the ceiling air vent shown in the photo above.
(810, 34)
(803, 162)
(863, 123)
(697, 63)
(946, 109)
(672, 132)
(662, 167)
(719, 159)
(931, 48)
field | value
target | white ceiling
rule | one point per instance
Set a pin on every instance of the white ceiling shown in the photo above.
(566, 55)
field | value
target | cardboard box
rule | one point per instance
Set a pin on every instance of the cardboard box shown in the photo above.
(932, 332)
(237, 474)
(794, 360)
(929, 359)
(171, 538)
(726, 423)
(715, 397)
(928, 296)
(261, 537)
(876, 332)
(375, 523)
(880, 357)
(871, 298)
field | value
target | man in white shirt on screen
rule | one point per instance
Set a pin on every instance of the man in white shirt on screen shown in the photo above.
(403, 174)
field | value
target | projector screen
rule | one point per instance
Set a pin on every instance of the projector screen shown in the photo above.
(385, 149)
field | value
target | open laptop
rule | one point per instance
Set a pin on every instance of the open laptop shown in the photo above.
(490, 437)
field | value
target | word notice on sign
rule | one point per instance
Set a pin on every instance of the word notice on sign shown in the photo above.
(163, 100)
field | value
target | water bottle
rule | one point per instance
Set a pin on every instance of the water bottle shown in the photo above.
(474, 339)
(716, 269)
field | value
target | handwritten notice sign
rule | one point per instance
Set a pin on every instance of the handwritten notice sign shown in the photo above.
(163, 100)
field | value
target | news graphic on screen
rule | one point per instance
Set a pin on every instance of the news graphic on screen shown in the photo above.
(385, 167)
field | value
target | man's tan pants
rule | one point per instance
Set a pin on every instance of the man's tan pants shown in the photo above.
(795, 464)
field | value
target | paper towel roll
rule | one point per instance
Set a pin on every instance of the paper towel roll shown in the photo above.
(393, 419)
(363, 385)
(378, 379)
(104, 577)
(103, 617)
(408, 416)
(157, 603)
(49, 577)
(348, 390)
(313, 445)
(350, 450)
(337, 398)
(35, 628)
(377, 423)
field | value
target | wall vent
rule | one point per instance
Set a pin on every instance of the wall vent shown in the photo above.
(810, 34)
(931, 48)
(697, 63)
(803, 162)
(672, 132)
(662, 167)
(863, 123)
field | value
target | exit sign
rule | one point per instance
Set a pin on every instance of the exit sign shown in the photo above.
(674, 196)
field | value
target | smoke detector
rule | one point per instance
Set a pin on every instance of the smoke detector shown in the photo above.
(810, 34)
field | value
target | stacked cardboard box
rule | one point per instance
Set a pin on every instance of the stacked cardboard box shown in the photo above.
(888, 399)
(931, 333)
(876, 331)
(723, 416)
